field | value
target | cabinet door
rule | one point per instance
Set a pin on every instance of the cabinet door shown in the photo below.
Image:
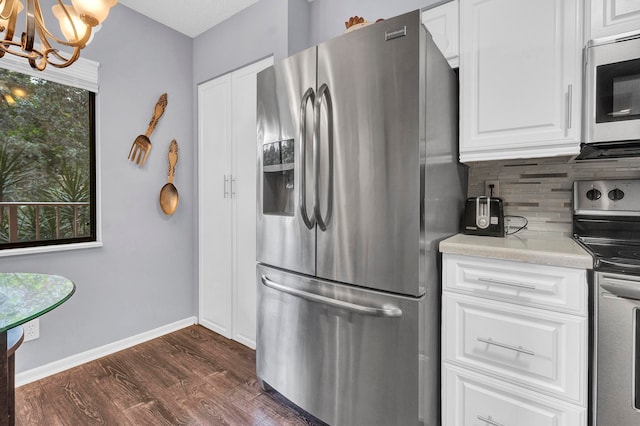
(520, 77)
(243, 110)
(539, 286)
(614, 17)
(475, 399)
(537, 349)
(214, 170)
(442, 23)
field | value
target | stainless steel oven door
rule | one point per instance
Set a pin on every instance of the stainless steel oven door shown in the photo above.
(617, 350)
(612, 85)
(347, 355)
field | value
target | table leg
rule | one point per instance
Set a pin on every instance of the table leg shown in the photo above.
(7, 383)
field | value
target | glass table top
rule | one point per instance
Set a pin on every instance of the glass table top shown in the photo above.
(25, 296)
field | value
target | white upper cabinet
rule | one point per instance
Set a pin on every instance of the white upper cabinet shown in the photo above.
(614, 17)
(442, 23)
(520, 78)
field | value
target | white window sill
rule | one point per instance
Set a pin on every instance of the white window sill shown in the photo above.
(50, 249)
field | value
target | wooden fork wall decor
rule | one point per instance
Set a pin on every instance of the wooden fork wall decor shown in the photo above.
(142, 145)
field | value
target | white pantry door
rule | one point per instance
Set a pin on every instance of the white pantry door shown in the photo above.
(227, 195)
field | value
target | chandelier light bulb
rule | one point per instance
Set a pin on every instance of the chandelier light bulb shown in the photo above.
(72, 27)
(93, 12)
(36, 43)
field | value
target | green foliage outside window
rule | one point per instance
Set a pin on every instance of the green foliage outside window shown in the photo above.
(46, 159)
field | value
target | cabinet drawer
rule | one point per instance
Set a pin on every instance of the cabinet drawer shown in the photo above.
(471, 399)
(548, 287)
(540, 350)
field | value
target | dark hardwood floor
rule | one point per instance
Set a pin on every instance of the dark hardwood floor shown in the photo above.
(189, 377)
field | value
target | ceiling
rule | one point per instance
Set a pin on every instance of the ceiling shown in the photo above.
(192, 20)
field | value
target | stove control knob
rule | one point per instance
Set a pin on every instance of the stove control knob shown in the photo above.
(594, 194)
(616, 194)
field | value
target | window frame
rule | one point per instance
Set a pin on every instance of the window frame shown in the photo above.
(82, 74)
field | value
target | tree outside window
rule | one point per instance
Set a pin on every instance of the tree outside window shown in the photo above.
(47, 162)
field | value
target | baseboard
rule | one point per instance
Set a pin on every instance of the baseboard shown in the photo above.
(90, 355)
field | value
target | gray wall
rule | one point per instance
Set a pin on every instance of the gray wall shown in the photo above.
(299, 25)
(255, 33)
(143, 277)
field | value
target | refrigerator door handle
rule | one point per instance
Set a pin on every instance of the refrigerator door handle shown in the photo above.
(310, 222)
(386, 312)
(323, 94)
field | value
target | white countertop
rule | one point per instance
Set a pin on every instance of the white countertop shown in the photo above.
(540, 247)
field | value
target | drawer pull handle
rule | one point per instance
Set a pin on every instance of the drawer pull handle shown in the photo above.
(385, 312)
(489, 420)
(520, 349)
(507, 283)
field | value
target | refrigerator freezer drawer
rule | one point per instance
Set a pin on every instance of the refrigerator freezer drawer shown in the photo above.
(346, 355)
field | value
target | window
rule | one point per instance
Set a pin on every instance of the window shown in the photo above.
(47, 161)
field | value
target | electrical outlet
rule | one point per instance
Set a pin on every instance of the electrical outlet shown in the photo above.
(31, 329)
(488, 188)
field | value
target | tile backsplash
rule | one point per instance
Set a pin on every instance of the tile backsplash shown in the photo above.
(541, 189)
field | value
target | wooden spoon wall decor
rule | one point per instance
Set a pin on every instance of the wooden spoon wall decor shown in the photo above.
(169, 193)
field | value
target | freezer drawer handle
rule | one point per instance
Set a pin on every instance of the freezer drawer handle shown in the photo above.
(489, 420)
(520, 349)
(507, 283)
(387, 312)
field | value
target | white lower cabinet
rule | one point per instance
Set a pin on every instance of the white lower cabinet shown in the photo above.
(514, 343)
(476, 399)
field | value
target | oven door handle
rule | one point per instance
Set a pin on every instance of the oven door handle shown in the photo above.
(385, 311)
(627, 289)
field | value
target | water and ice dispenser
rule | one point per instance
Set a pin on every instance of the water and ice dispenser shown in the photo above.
(278, 178)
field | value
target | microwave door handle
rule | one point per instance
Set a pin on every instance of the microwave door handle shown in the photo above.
(323, 94)
(302, 191)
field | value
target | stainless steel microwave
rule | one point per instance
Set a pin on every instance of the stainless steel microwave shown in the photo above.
(612, 91)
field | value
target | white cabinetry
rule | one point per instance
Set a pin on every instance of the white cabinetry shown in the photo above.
(442, 23)
(514, 343)
(227, 197)
(614, 17)
(520, 78)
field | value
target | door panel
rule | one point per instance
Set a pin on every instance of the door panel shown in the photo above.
(372, 235)
(344, 366)
(283, 239)
(214, 122)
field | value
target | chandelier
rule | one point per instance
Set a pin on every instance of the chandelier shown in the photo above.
(76, 20)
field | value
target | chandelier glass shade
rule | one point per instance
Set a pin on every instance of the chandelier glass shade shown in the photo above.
(40, 46)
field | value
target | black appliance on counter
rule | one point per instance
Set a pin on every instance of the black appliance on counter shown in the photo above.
(484, 216)
(606, 221)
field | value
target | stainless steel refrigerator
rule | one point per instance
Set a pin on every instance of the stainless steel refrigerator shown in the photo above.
(358, 181)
